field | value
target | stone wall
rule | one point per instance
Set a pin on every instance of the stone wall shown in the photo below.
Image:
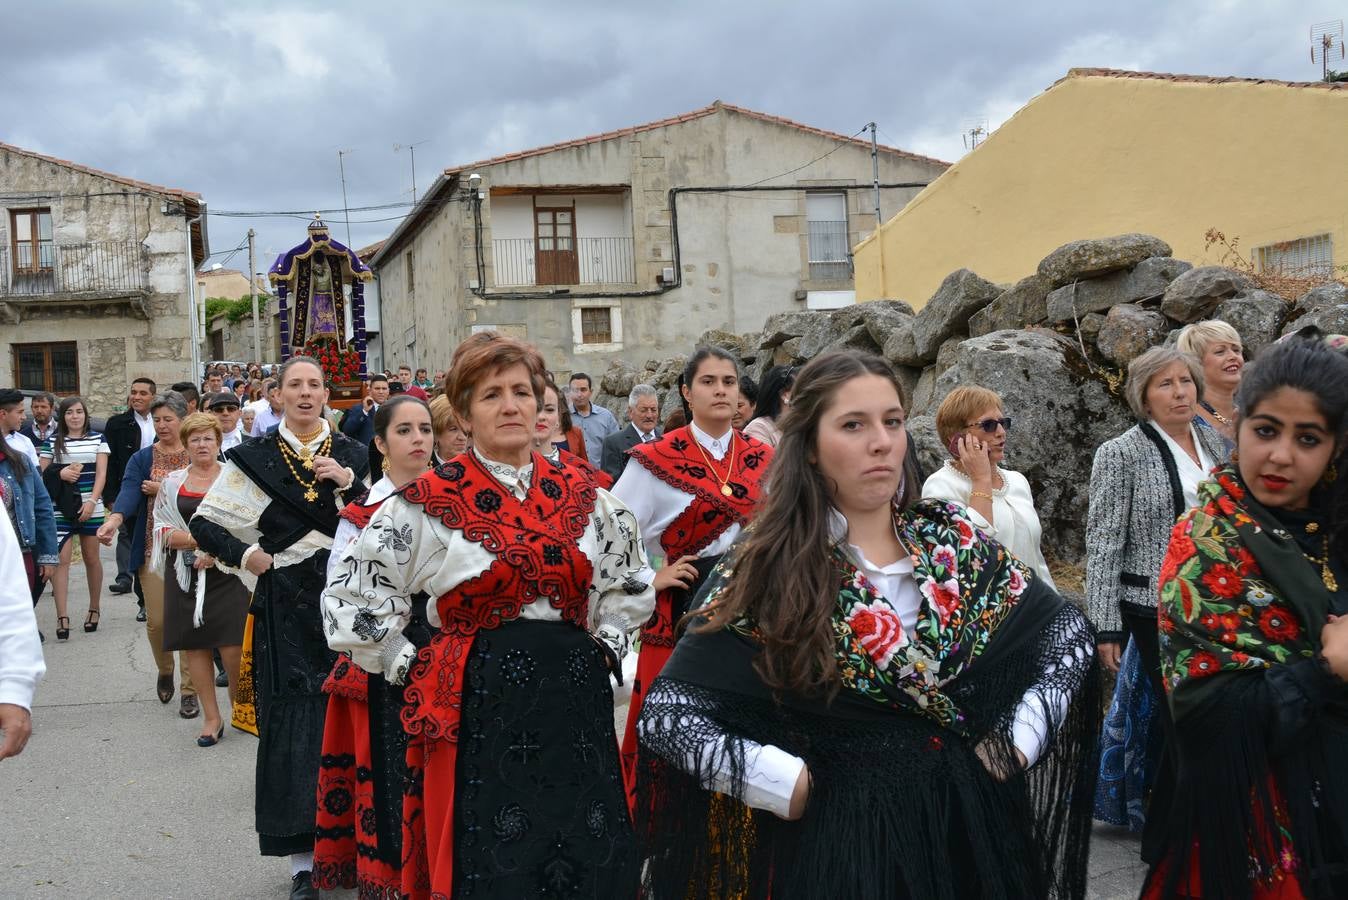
(1055, 345)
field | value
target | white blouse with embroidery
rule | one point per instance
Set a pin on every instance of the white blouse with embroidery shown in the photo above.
(366, 606)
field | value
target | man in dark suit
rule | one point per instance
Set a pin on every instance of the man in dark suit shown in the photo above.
(41, 425)
(643, 413)
(358, 421)
(126, 433)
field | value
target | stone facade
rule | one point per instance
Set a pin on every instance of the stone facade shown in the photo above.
(740, 257)
(107, 273)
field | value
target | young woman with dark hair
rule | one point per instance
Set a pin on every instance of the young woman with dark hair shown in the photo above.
(271, 515)
(903, 708)
(1254, 644)
(691, 491)
(550, 413)
(364, 763)
(513, 783)
(774, 396)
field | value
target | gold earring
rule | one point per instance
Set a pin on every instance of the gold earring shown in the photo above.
(384, 464)
(1331, 474)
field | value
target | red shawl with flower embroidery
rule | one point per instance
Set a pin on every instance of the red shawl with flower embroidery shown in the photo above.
(1261, 731)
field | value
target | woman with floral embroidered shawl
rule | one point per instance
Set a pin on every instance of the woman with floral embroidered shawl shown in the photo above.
(1254, 651)
(904, 709)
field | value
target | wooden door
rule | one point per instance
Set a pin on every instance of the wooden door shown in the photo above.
(555, 260)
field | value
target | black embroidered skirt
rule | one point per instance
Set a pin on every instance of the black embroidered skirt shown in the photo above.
(540, 809)
(291, 660)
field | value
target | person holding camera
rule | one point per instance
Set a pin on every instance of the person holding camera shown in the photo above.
(205, 606)
(358, 422)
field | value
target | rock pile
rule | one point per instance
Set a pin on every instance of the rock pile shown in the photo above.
(1054, 346)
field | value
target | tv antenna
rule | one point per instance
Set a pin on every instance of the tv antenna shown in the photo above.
(412, 150)
(974, 132)
(346, 214)
(1326, 43)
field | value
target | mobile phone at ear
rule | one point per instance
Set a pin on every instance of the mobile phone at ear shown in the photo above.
(954, 446)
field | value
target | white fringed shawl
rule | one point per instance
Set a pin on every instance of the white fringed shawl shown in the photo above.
(167, 518)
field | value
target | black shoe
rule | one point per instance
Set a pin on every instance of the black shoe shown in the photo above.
(120, 586)
(188, 706)
(140, 614)
(210, 740)
(221, 679)
(302, 887)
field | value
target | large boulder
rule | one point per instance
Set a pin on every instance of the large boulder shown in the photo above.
(925, 442)
(1021, 305)
(1257, 317)
(1147, 280)
(882, 317)
(1129, 331)
(782, 327)
(667, 372)
(726, 340)
(619, 379)
(948, 311)
(1195, 294)
(1099, 256)
(843, 329)
(1061, 413)
(1333, 294)
(900, 348)
(945, 356)
(923, 392)
(1329, 319)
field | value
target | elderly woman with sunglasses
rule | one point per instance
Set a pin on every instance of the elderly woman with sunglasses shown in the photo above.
(973, 428)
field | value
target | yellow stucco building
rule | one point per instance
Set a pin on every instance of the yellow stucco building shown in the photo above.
(1105, 152)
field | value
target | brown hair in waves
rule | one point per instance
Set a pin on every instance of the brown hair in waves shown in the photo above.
(785, 578)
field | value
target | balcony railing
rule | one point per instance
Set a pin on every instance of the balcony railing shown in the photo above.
(100, 267)
(518, 262)
(828, 251)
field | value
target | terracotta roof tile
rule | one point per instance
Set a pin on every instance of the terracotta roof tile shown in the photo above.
(677, 120)
(88, 170)
(1197, 79)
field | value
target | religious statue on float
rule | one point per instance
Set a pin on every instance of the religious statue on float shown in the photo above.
(314, 283)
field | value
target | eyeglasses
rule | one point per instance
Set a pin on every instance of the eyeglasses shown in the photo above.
(990, 426)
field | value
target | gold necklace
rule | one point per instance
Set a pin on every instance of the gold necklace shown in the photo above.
(726, 490)
(1326, 575)
(290, 457)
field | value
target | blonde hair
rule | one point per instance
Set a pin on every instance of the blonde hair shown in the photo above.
(442, 415)
(200, 421)
(968, 400)
(1196, 338)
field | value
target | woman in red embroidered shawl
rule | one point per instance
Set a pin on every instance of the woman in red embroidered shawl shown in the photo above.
(358, 832)
(1254, 645)
(514, 787)
(691, 491)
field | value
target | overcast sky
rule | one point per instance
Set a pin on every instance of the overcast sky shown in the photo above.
(248, 103)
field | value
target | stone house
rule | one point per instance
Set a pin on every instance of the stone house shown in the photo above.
(629, 244)
(96, 278)
(1105, 152)
(234, 340)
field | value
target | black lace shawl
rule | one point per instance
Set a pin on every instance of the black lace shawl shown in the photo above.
(900, 806)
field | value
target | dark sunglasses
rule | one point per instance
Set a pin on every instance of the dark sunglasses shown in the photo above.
(989, 426)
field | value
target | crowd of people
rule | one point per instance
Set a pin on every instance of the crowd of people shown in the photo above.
(852, 677)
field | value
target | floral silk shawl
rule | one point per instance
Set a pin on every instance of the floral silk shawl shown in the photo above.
(969, 585)
(1235, 593)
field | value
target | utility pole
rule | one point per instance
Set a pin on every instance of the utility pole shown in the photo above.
(345, 213)
(252, 281)
(875, 175)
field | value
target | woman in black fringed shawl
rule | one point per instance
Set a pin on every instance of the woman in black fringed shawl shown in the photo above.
(902, 707)
(1253, 650)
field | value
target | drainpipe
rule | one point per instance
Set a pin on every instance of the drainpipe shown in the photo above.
(192, 313)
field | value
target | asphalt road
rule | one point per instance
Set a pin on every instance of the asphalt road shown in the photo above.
(112, 797)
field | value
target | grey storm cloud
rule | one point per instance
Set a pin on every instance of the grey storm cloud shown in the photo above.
(249, 103)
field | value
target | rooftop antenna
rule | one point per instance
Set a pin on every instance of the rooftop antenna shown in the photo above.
(345, 212)
(974, 132)
(1326, 43)
(411, 149)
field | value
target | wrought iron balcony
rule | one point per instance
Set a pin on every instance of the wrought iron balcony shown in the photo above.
(104, 268)
(523, 262)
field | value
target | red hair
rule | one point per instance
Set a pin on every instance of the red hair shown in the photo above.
(484, 354)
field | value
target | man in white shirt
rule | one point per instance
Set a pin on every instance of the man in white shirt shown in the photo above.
(225, 407)
(11, 420)
(127, 432)
(270, 412)
(21, 665)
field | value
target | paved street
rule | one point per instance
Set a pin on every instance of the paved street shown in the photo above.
(113, 798)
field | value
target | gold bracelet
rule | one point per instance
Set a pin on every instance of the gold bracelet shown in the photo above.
(981, 494)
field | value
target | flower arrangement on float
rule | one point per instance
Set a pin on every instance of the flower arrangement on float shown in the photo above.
(341, 365)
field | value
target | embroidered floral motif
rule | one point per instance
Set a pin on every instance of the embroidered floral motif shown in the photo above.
(511, 823)
(517, 667)
(877, 628)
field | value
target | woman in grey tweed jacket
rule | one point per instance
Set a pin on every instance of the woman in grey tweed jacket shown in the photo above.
(1141, 482)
